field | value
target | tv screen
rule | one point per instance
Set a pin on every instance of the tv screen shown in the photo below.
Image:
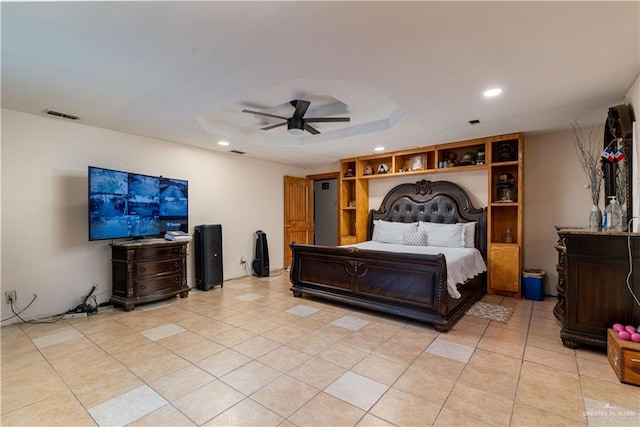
(131, 205)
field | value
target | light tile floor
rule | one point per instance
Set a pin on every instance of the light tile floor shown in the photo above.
(252, 354)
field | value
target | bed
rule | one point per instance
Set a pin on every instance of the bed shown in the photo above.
(398, 281)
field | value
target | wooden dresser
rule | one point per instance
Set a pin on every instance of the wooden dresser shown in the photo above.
(148, 271)
(592, 289)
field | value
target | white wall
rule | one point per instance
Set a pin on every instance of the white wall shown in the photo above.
(45, 247)
(554, 194)
(633, 97)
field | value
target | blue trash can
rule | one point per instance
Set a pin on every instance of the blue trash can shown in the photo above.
(533, 284)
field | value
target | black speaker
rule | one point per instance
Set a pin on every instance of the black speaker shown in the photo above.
(208, 246)
(261, 263)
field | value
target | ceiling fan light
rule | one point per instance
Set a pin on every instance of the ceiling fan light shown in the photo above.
(295, 125)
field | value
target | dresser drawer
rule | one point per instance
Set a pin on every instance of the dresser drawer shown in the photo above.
(158, 284)
(152, 268)
(155, 252)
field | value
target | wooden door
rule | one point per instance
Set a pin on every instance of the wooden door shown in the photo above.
(298, 213)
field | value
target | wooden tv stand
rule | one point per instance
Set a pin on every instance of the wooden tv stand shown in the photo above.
(148, 270)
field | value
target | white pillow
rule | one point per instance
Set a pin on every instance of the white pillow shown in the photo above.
(469, 234)
(415, 238)
(391, 232)
(446, 235)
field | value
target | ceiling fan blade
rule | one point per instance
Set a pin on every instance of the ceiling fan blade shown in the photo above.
(264, 114)
(301, 108)
(274, 126)
(311, 130)
(328, 119)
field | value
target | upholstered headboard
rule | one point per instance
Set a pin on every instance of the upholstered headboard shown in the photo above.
(431, 201)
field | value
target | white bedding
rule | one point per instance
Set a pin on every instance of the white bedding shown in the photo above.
(462, 263)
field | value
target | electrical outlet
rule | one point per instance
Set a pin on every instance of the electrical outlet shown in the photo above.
(10, 297)
(243, 260)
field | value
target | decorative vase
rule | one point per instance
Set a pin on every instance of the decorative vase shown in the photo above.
(595, 219)
(508, 236)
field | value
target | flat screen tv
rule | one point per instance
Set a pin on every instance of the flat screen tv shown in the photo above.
(132, 205)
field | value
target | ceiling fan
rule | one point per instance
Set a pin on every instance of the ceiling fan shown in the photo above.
(297, 124)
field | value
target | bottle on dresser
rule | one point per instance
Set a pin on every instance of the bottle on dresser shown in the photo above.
(612, 219)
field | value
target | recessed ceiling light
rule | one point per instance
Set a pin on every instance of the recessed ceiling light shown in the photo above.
(492, 92)
(223, 143)
(378, 149)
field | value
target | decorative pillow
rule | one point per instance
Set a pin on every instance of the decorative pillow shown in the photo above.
(469, 234)
(391, 232)
(415, 238)
(446, 235)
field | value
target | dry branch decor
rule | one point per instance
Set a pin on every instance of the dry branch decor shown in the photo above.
(588, 145)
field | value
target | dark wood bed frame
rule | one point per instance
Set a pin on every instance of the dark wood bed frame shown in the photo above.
(408, 285)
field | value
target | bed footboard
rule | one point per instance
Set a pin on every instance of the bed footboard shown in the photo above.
(408, 285)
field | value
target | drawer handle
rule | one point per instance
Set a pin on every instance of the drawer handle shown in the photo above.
(142, 287)
(176, 264)
(143, 269)
(176, 280)
(635, 360)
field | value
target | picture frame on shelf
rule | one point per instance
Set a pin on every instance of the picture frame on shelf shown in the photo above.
(417, 163)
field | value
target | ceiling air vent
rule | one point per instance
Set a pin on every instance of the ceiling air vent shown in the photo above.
(61, 115)
(474, 122)
(237, 152)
